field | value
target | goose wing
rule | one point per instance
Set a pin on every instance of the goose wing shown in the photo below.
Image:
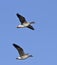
(31, 27)
(21, 18)
(19, 49)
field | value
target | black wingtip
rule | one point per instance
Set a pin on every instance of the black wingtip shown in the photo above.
(17, 14)
(32, 28)
(15, 45)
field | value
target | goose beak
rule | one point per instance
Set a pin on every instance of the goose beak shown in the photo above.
(30, 56)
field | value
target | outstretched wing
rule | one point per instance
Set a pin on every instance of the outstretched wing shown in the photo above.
(21, 18)
(19, 49)
(31, 27)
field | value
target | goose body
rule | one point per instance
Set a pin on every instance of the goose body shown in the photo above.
(24, 23)
(21, 53)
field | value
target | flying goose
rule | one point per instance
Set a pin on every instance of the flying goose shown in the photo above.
(22, 55)
(24, 23)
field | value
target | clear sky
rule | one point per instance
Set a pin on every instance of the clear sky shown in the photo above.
(41, 43)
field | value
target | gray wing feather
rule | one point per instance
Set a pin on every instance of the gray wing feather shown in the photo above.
(21, 18)
(31, 27)
(19, 49)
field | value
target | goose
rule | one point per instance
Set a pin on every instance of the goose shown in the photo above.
(22, 55)
(24, 23)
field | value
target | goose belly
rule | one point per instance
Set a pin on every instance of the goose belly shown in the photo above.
(26, 24)
(25, 56)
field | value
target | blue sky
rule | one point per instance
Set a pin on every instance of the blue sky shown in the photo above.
(41, 43)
